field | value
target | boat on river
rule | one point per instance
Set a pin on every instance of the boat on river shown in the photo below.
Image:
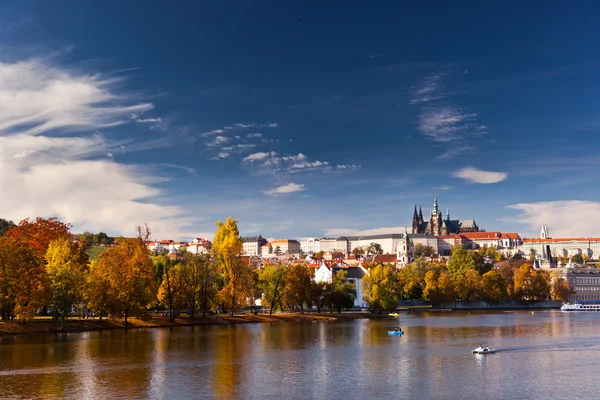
(580, 306)
(483, 350)
(396, 333)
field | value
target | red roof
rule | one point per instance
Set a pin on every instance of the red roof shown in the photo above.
(386, 258)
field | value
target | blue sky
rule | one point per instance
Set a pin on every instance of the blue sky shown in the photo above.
(299, 120)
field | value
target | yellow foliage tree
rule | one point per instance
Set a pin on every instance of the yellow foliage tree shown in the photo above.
(237, 277)
(97, 290)
(382, 288)
(468, 285)
(66, 264)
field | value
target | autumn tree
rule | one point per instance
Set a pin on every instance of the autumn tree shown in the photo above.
(272, 282)
(468, 285)
(318, 254)
(237, 277)
(143, 232)
(358, 251)
(439, 286)
(298, 288)
(97, 289)
(5, 226)
(382, 289)
(25, 285)
(577, 259)
(200, 276)
(170, 290)
(424, 251)
(494, 286)
(66, 266)
(319, 294)
(560, 289)
(131, 278)
(413, 278)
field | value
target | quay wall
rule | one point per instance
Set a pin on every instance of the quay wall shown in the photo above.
(503, 305)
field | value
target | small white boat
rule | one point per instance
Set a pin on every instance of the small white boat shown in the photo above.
(483, 350)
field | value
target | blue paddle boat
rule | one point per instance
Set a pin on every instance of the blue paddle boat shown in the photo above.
(398, 333)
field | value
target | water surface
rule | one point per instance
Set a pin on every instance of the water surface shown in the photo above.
(540, 356)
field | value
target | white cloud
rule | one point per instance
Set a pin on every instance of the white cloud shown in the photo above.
(53, 172)
(148, 120)
(254, 135)
(285, 189)
(564, 218)
(259, 156)
(475, 175)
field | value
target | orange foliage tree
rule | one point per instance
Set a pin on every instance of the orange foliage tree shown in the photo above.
(128, 272)
(25, 287)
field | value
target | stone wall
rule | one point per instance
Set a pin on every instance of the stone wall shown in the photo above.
(503, 305)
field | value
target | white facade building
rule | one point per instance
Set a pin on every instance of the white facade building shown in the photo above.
(546, 247)
(310, 245)
(252, 245)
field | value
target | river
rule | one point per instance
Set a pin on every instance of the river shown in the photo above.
(544, 355)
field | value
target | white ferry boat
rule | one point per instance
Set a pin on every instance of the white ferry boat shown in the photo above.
(575, 306)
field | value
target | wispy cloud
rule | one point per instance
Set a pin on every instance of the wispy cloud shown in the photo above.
(455, 151)
(564, 218)
(285, 189)
(428, 89)
(442, 187)
(254, 135)
(442, 121)
(272, 161)
(334, 232)
(45, 153)
(474, 175)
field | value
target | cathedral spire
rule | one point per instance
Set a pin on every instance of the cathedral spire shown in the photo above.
(421, 214)
(447, 215)
(415, 215)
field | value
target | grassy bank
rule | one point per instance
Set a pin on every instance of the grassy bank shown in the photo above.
(44, 325)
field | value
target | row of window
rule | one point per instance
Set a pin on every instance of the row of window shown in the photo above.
(585, 297)
(587, 288)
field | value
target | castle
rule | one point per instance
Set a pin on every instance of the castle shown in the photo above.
(438, 226)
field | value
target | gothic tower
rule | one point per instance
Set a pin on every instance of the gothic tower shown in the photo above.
(435, 220)
(415, 221)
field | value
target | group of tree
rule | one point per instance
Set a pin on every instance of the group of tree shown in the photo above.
(372, 249)
(291, 288)
(468, 276)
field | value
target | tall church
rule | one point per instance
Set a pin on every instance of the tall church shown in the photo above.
(439, 226)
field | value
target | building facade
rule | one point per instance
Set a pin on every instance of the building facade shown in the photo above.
(439, 226)
(546, 248)
(310, 245)
(286, 246)
(252, 245)
(584, 282)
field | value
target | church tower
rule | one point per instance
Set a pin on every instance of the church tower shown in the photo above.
(415, 221)
(435, 220)
(544, 233)
(405, 252)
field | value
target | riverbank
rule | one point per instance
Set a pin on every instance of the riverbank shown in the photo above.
(47, 325)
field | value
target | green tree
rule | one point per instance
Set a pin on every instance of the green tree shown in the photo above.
(319, 292)
(66, 266)
(577, 259)
(272, 282)
(413, 278)
(277, 250)
(236, 276)
(318, 255)
(343, 292)
(374, 249)
(97, 289)
(382, 288)
(358, 251)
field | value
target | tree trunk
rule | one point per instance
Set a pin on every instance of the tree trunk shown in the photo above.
(126, 312)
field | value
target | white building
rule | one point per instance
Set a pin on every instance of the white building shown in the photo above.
(325, 274)
(328, 245)
(405, 251)
(199, 246)
(546, 247)
(310, 245)
(252, 245)
(388, 242)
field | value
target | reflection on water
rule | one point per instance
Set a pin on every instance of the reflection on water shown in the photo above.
(354, 359)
